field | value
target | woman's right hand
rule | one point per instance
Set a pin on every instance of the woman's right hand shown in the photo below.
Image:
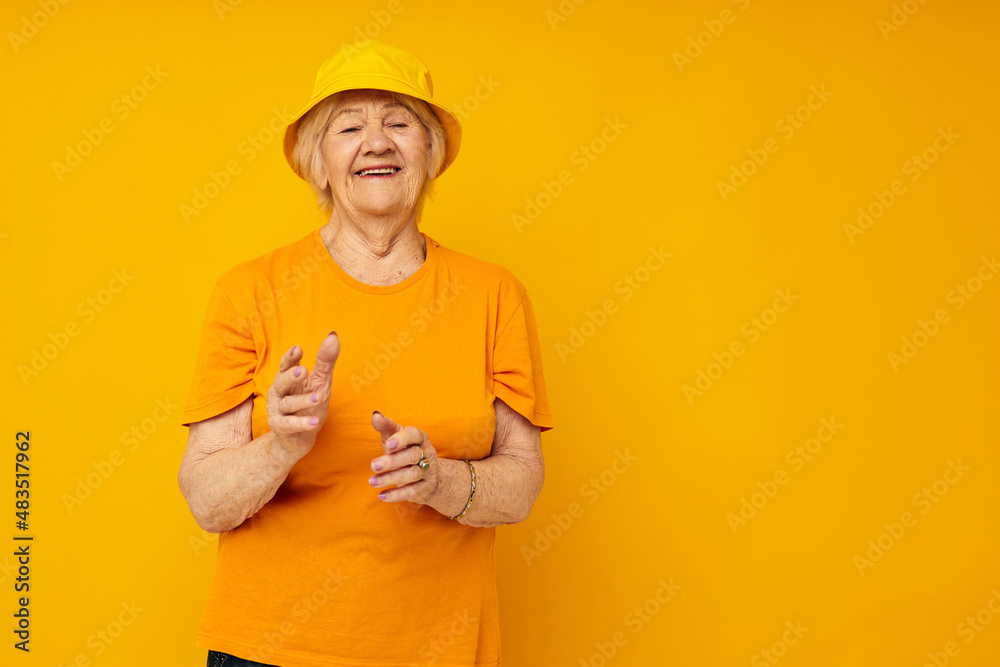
(297, 405)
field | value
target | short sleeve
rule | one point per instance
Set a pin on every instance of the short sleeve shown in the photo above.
(225, 362)
(518, 379)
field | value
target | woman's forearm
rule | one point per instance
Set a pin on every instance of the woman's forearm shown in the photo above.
(232, 484)
(229, 486)
(506, 489)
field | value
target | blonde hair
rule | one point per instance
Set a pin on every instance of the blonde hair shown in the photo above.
(308, 156)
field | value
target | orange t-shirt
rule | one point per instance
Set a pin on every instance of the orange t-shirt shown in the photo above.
(326, 573)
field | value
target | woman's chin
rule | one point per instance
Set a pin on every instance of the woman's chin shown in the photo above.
(381, 207)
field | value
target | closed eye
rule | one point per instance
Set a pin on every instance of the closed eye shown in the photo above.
(350, 129)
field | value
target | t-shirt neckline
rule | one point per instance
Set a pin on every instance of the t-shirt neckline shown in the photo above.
(356, 284)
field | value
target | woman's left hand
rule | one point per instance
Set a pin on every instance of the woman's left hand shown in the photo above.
(398, 464)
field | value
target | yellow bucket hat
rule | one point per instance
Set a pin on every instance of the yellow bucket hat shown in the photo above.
(373, 64)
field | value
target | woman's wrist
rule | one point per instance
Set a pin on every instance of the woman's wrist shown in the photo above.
(281, 455)
(454, 487)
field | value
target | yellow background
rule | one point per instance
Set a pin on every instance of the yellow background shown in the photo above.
(555, 85)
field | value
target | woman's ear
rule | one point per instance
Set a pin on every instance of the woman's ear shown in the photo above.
(430, 174)
(324, 179)
(430, 147)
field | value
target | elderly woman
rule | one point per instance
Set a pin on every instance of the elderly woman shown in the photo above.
(357, 501)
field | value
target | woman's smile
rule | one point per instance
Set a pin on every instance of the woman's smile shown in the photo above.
(379, 172)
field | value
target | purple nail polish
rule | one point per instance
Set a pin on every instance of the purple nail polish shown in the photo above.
(314, 420)
(382, 495)
(376, 466)
(298, 369)
(393, 444)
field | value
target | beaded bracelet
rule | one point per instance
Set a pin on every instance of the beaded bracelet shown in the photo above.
(471, 495)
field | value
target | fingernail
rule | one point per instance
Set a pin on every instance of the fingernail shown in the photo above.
(315, 397)
(376, 466)
(372, 480)
(382, 495)
(376, 412)
(297, 371)
(314, 421)
(393, 444)
(332, 333)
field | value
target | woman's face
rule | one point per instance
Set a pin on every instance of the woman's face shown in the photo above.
(367, 129)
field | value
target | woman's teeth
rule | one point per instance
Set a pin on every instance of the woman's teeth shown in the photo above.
(387, 170)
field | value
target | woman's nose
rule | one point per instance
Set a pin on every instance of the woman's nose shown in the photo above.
(375, 138)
